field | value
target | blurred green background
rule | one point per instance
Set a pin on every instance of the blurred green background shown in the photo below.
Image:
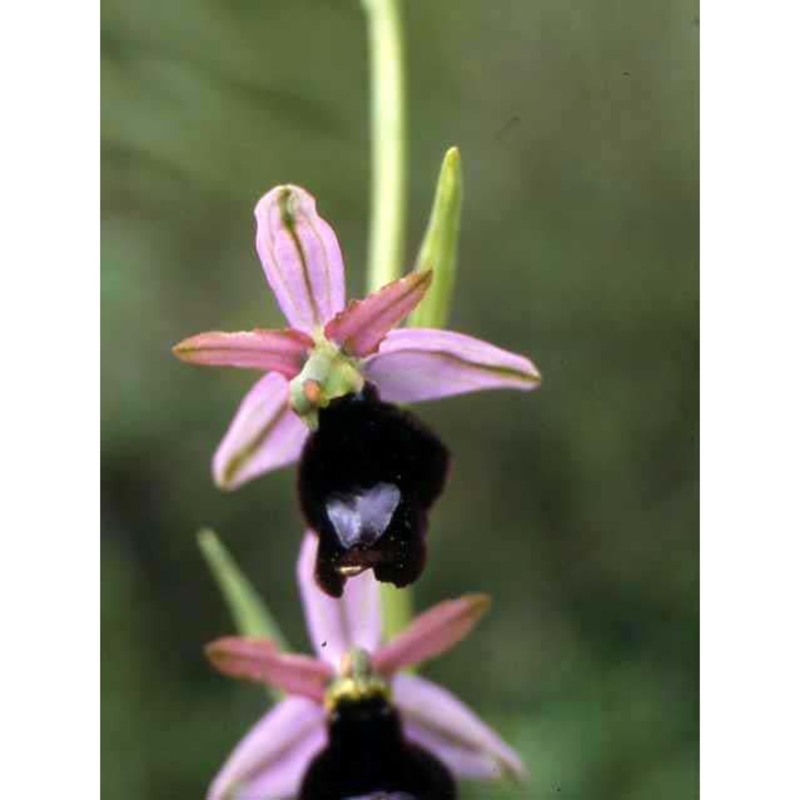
(576, 507)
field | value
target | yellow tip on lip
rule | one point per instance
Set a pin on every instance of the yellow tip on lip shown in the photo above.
(350, 570)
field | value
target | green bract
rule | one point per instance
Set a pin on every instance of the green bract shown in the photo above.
(440, 245)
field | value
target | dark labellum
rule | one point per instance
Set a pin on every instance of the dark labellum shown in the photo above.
(368, 476)
(368, 758)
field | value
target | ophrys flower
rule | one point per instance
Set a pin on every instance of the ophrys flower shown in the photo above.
(370, 471)
(272, 759)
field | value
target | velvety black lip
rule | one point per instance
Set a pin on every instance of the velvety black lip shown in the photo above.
(367, 479)
(368, 753)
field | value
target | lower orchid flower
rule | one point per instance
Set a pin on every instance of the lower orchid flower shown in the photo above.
(274, 761)
(367, 756)
(333, 351)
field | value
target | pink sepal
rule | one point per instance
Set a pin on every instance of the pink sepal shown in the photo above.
(446, 720)
(415, 364)
(336, 626)
(264, 434)
(272, 757)
(301, 257)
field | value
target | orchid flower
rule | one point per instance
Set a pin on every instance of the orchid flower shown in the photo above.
(331, 350)
(272, 759)
(370, 471)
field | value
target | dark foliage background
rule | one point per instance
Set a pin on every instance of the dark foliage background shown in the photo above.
(575, 507)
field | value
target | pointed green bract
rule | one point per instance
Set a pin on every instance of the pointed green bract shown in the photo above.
(440, 245)
(249, 611)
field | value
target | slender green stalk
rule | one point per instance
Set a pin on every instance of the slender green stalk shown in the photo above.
(388, 201)
(398, 609)
(388, 134)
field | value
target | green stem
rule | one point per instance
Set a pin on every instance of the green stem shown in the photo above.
(398, 609)
(388, 134)
(388, 203)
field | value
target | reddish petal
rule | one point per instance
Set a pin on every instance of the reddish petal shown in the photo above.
(301, 257)
(265, 434)
(360, 328)
(451, 728)
(271, 759)
(415, 364)
(259, 660)
(335, 626)
(279, 351)
(432, 633)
